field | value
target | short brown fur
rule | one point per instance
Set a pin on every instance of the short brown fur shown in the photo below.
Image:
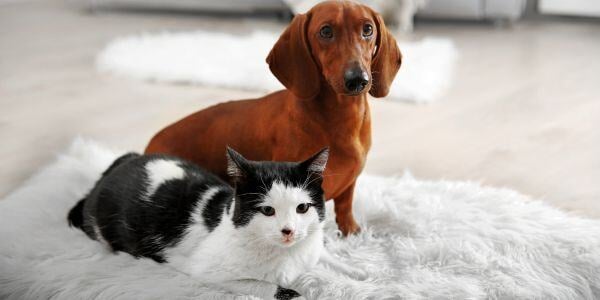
(313, 112)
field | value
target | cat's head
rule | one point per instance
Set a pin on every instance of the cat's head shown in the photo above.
(281, 203)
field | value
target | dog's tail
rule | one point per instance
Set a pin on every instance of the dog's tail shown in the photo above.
(76, 215)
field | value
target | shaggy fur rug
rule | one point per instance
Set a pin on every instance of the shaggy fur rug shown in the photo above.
(238, 61)
(421, 240)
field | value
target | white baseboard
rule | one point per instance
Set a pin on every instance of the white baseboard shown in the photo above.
(588, 8)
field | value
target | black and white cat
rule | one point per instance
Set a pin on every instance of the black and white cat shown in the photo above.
(253, 238)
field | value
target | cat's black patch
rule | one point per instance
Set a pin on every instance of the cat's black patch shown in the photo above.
(119, 161)
(214, 208)
(76, 217)
(285, 294)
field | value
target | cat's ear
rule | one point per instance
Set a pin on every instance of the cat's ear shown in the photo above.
(317, 162)
(236, 164)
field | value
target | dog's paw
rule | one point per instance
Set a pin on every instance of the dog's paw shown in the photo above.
(348, 226)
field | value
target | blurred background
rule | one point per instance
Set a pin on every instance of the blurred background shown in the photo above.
(502, 92)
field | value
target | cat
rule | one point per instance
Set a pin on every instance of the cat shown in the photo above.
(255, 237)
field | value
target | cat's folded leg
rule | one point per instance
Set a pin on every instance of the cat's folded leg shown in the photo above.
(262, 289)
(352, 272)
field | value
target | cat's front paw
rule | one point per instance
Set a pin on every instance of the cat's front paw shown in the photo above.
(286, 294)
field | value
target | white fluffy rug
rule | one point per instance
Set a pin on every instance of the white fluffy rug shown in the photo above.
(238, 61)
(429, 240)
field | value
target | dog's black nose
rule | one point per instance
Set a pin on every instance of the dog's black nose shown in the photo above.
(286, 231)
(355, 80)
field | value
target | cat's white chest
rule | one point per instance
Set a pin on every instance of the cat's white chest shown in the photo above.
(227, 254)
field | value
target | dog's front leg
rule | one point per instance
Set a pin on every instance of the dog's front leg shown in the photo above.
(343, 211)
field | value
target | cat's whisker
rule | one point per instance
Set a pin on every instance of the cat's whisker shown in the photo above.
(331, 174)
(245, 194)
(264, 186)
(314, 178)
(306, 183)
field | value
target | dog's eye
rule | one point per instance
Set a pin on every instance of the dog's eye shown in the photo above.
(267, 210)
(326, 32)
(302, 208)
(367, 30)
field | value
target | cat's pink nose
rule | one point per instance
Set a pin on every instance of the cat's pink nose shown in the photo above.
(287, 232)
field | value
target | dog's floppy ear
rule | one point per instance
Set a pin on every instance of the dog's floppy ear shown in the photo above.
(386, 61)
(292, 63)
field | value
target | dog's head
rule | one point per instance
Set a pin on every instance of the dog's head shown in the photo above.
(340, 43)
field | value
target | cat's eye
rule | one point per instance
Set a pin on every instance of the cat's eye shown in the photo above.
(367, 30)
(302, 208)
(326, 32)
(267, 210)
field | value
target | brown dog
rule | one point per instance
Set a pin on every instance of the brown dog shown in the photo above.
(327, 59)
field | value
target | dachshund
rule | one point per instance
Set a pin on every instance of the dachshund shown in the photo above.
(328, 59)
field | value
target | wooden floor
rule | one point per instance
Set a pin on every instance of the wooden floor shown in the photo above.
(524, 112)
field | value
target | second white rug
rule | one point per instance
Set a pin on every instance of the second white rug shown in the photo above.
(238, 61)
